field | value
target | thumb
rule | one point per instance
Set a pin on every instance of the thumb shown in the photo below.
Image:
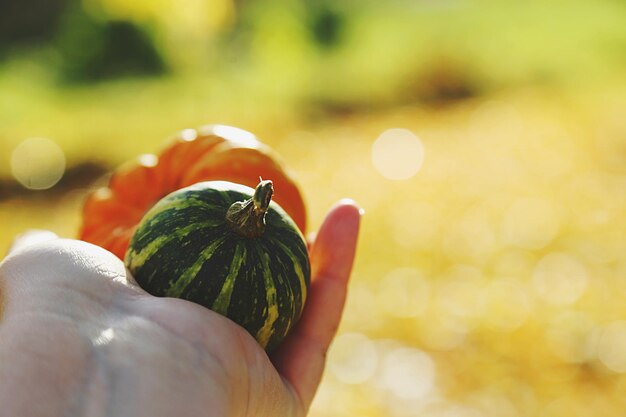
(29, 238)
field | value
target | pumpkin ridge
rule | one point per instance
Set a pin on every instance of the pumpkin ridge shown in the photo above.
(264, 334)
(144, 253)
(190, 273)
(222, 302)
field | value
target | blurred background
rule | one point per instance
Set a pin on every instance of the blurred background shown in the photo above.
(485, 139)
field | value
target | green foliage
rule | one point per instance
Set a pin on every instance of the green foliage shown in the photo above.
(93, 49)
(327, 25)
(28, 21)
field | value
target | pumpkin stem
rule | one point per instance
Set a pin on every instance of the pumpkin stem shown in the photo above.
(247, 218)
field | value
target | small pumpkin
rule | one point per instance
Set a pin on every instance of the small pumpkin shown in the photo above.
(217, 152)
(229, 248)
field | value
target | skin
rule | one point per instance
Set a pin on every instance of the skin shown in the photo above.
(79, 338)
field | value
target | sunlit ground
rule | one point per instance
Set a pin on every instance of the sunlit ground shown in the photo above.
(491, 270)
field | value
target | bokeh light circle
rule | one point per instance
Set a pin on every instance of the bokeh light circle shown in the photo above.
(397, 154)
(404, 292)
(569, 336)
(408, 373)
(508, 304)
(353, 358)
(560, 278)
(612, 346)
(37, 163)
(530, 223)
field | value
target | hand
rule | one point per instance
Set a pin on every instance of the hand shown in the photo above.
(79, 338)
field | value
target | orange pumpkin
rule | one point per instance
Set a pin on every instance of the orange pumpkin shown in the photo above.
(217, 152)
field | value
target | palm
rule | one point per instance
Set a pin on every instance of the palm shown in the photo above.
(86, 341)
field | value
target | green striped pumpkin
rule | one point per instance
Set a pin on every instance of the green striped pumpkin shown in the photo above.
(229, 248)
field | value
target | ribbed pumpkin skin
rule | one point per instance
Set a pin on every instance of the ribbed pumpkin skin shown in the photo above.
(212, 153)
(184, 248)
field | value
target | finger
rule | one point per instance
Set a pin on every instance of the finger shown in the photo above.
(301, 358)
(31, 237)
(332, 252)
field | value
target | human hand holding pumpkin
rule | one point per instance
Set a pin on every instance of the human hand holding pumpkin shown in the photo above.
(78, 337)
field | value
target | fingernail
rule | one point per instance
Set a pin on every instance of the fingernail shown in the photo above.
(351, 202)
